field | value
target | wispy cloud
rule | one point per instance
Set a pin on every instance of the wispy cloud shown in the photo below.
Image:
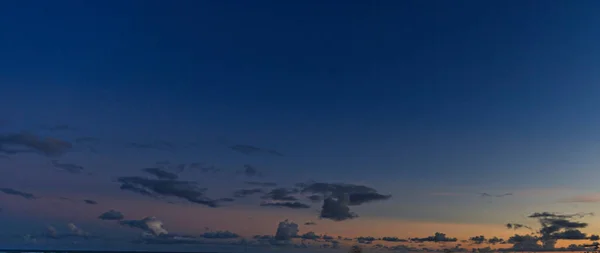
(586, 198)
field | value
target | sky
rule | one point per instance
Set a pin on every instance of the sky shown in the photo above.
(400, 118)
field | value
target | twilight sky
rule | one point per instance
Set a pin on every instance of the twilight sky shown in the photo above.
(428, 104)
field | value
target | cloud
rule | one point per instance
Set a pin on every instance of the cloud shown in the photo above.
(361, 198)
(14, 192)
(111, 215)
(263, 184)
(286, 230)
(62, 127)
(51, 232)
(161, 174)
(281, 194)
(14, 143)
(516, 226)
(149, 224)
(246, 192)
(393, 239)
(90, 202)
(366, 239)
(310, 223)
(315, 198)
(68, 167)
(495, 240)
(293, 205)
(336, 209)
(250, 171)
(554, 227)
(590, 198)
(478, 239)
(220, 235)
(85, 139)
(437, 237)
(525, 242)
(76, 231)
(253, 150)
(167, 188)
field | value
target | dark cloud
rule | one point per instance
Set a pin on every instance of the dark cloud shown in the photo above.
(250, 171)
(253, 150)
(149, 224)
(366, 239)
(225, 200)
(310, 236)
(111, 215)
(478, 239)
(361, 198)
(263, 184)
(516, 226)
(281, 194)
(293, 205)
(161, 174)
(310, 223)
(315, 198)
(286, 230)
(26, 142)
(246, 192)
(525, 242)
(14, 192)
(594, 238)
(437, 237)
(167, 188)
(68, 167)
(559, 216)
(336, 209)
(495, 240)
(393, 239)
(220, 235)
(90, 202)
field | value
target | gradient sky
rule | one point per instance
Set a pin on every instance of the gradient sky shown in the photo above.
(433, 102)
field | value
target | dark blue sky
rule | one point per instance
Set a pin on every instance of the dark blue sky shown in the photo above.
(411, 96)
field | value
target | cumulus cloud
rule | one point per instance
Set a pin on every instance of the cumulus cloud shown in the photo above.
(26, 142)
(337, 209)
(263, 184)
(253, 150)
(111, 215)
(554, 227)
(14, 192)
(167, 188)
(393, 239)
(437, 237)
(149, 224)
(51, 232)
(478, 239)
(161, 174)
(246, 192)
(286, 230)
(293, 205)
(340, 196)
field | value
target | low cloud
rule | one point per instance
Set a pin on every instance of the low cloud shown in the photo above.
(160, 174)
(495, 195)
(68, 167)
(167, 188)
(286, 230)
(111, 215)
(76, 231)
(293, 205)
(310, 223)
(220, 235)
(27, 143)
(336, 209)
(149, 224)
(254, 150)
(14, 192)
(393, 239)
(437, 237)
